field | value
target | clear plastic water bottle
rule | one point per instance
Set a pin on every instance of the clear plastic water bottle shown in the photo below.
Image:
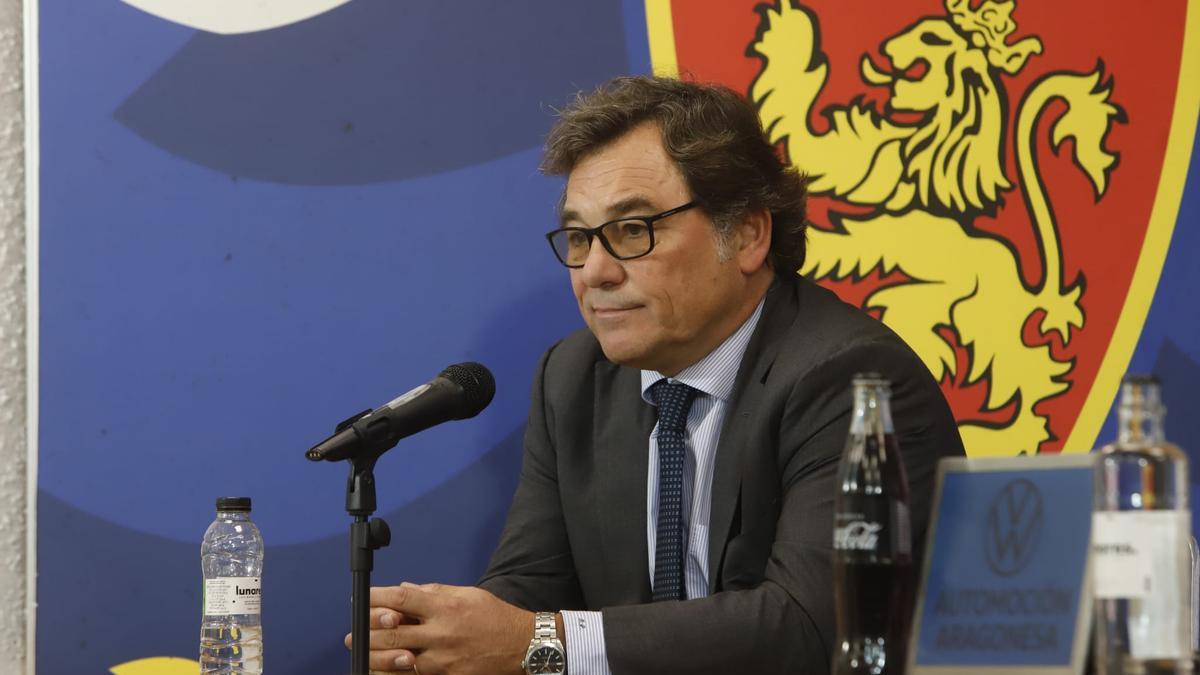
(231, 558)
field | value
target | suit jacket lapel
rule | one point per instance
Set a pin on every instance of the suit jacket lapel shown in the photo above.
(777, 316)
(623, 422)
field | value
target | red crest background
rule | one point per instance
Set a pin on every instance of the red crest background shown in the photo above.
(1139, 46)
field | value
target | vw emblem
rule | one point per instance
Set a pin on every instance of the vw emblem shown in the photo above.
(1014, 525)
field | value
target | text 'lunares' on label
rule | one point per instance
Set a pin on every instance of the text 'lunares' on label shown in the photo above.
(232, 595)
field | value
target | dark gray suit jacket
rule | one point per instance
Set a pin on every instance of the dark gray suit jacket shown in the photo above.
(576, 534)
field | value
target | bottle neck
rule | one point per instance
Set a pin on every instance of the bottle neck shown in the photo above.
(1140, 414)
(872, 410)
(233, 515)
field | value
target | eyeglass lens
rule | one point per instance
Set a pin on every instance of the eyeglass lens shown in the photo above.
(623, 238)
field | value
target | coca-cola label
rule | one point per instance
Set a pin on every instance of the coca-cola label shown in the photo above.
(859, 535)
(872, 528)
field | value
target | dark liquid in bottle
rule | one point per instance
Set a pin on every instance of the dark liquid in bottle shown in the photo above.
(872, 571)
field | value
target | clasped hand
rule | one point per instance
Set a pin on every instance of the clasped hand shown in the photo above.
(435, 629)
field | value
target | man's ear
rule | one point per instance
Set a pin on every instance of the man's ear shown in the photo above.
(752, 241)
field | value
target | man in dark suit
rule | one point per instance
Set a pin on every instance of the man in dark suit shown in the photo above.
(675, 507)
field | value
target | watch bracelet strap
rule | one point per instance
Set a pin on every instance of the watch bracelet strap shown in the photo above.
(544, 626)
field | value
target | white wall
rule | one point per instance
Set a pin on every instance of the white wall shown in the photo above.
(12, 342)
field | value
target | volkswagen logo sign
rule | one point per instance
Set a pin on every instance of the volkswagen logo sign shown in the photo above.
(1014, 525)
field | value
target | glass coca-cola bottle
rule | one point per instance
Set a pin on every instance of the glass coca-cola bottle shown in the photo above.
(872, 540)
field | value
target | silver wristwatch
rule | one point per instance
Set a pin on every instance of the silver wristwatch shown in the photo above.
(545, 655)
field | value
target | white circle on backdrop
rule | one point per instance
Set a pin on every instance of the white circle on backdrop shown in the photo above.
(235, 16)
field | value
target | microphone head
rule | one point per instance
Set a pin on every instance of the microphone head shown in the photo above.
(477, 384)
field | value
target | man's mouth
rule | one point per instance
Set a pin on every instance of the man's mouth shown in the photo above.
(612, 310)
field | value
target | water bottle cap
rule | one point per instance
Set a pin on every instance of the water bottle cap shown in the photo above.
(233, 503)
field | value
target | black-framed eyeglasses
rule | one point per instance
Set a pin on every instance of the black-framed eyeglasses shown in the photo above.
(623, 238)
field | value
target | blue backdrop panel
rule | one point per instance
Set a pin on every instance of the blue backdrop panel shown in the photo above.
(246, 238)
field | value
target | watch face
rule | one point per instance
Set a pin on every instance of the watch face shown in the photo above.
(546, 661)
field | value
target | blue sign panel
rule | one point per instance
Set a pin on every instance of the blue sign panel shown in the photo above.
(1007, 568)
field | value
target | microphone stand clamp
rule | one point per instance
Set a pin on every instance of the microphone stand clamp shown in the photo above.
(367, 535)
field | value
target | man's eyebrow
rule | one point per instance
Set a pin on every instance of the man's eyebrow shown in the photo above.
(566, 216)
(635, 205)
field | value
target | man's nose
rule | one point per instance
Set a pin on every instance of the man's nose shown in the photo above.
(601, 268)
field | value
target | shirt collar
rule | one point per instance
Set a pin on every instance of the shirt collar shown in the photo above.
(714, 374)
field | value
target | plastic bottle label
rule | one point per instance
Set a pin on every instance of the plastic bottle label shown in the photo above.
(232, 595)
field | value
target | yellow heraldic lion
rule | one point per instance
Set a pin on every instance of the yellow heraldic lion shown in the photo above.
(928, 180)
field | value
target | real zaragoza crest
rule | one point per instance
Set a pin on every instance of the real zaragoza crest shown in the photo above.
(991, 179)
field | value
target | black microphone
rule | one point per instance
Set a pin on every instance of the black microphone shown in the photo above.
(460, 391)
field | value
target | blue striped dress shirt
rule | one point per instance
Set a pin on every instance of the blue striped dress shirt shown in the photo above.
(713, 377)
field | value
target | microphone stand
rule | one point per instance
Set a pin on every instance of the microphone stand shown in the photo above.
(366, 536)
(458, 392)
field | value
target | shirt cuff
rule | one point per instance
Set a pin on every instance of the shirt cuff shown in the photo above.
(586, 654)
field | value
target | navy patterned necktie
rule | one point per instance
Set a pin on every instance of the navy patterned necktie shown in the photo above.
(673, 400)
